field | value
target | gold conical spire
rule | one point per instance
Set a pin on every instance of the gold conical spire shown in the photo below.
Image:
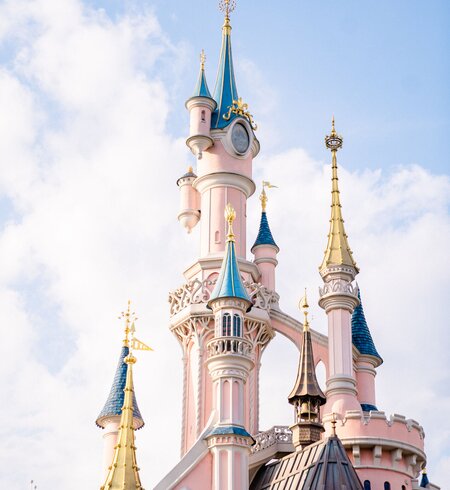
(338, 250)
(123, 473)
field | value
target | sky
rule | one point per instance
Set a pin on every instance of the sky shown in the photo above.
(92, 140)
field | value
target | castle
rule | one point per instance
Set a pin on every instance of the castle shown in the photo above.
(225, 315)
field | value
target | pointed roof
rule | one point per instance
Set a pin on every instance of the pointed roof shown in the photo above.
(225, 91)
(424, 482)
(115, 401)
(338, 250)
(306, 386)
(229, 284)
(264, 234)
(361, 337)
(322, 465)
(124, 472)
(201, 88)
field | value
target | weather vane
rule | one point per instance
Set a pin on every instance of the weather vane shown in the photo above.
(227, 6)
(130, 340)
(263, 197)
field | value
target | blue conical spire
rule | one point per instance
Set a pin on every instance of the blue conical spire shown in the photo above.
(201, 89)
(114, 403)
(424, 482)
(225, 90)
(264, 234)
(229, 284)
(361, 337)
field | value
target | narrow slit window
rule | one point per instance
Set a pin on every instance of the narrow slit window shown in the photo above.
(226, 325)
(203, 116)
(387, 485)
(367, 485)
(237, 326)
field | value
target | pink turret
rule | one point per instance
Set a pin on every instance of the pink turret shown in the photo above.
(189, 214)
(265, 249)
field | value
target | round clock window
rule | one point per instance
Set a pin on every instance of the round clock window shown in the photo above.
(240, 138)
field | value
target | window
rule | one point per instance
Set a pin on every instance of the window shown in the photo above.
(203, 116)
(387, 485)
(367, 485)
(226, 325)
(236, 325)
(403, 487)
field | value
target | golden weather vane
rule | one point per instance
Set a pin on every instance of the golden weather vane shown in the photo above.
(263, 197)
(130, 340)
(227, 6)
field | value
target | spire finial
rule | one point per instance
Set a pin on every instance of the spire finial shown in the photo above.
(227, 6)
(263, 197)
(338, 250)
(202, 60)
(303, 305)
(333, 424)
(230, 215)
(129, 318)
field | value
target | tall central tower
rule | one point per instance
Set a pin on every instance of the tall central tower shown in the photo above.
(222, 139)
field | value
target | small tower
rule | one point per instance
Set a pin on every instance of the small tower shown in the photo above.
(265, 249)
(229, 364)
(189, 214)
(306, 396)
(338, 298)
(124, 472)
(367, 359)
(200, 107)
(109, 418)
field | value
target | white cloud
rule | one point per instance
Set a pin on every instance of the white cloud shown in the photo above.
(88, 185)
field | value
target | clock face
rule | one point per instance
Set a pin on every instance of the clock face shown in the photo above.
(240, 138)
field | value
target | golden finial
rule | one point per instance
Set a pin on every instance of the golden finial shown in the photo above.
(230, 216)
(227, 6)
(303, 305)
(202, 60)
(129, 317)
(263, 197)
(190, 169)
(333, 424)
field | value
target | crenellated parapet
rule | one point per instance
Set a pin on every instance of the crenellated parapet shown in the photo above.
(383, 449)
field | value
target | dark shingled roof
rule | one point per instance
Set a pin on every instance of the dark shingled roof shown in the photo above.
(264, 234)
(367, 407)
(114, 403)
(361, 337)
(323, 465)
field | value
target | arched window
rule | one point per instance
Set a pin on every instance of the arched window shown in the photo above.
(387, 485)
(367, 485)
(226, 325)
(403, 487)
(236, 325)
(203, 116)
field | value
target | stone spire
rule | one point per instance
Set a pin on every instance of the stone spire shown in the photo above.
(124, 472)
(338, 250)
(306, 396)
(225, 92)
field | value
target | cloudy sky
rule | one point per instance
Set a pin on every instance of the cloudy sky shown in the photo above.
(92, 128)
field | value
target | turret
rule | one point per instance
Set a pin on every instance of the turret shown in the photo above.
(200, 107)
(189, 214)
(265, 249)
(229, 364)
(109, 418)
(306, 396)
(367, 359)
(338, 298)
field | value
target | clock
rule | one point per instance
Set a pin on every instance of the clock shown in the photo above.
(240, 138)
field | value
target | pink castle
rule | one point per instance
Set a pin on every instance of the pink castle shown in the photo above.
(227, 312)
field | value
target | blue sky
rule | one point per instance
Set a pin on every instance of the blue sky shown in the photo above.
(382, 68)
(92, 140)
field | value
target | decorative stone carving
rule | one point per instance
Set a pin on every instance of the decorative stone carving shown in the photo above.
(196, 292)
(338, 286)
(229, 345)
(278, 433)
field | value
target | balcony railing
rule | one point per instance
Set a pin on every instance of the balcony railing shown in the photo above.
(229, 345)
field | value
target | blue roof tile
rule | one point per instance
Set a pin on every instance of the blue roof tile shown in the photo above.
(361, 337)
(367, 407)
(229, 429)
(229, 284)
(264, 234)
(114, 403)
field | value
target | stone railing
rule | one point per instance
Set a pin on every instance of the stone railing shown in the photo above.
(338, 286)
(196, 292)
(277, 434)
(229, 345)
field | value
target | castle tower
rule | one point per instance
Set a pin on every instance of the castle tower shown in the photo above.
(123, 472)
(306, 396)
(222, 137)
(110, 416)
(338, 298)
(229, 364)
(265, 249)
